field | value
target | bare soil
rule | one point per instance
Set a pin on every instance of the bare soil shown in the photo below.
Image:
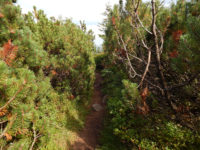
(89, 136)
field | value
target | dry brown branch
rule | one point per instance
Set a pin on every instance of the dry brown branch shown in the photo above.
(147, 67)
(160, 5)
(136, 16)
(137, 58)
(142, 24)
(135, 28)
(149, 82)
(137, 24)
(144, 45)
(35, 137)
(158, 51)
(2, 122)
(127, 56)
(162, 41)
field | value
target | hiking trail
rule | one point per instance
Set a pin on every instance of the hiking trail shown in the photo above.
(88, 138)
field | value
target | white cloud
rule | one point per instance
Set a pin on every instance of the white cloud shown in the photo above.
(89, 10)
(95, 29)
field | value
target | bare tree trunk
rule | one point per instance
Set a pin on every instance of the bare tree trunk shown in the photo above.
(158, 51)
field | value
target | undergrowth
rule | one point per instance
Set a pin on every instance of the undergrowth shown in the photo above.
(125, 128)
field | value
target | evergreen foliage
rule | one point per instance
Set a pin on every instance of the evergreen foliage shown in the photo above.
(150, 66)
(152, 131)
(141, 115)
(47, 75)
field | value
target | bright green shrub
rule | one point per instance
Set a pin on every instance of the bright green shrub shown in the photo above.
(69, 49)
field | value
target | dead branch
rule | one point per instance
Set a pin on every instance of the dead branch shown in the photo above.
(136, 23)
(2, 122)
(139, 59)
(159, 66)
(35, 137)
(149, 82)
(161, 39)
(137, 17)
(147, 67)
(125, 49)
(142, 24)
(144, 45)
(160, 5)
(137, 5)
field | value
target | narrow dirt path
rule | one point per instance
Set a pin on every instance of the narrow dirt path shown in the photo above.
(89, 136)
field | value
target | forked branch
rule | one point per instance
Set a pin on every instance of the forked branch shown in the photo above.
(35, 137)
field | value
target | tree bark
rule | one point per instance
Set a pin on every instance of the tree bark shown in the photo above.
(158, 51)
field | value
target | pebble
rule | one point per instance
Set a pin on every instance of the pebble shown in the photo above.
(97, 107)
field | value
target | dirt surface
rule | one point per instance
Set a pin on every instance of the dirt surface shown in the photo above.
(89, 136)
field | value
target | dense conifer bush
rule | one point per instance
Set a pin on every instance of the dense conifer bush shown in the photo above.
(135, 130)
(141, 116)
(47, 75)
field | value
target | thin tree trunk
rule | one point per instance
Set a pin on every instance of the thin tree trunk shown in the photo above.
(159, 66)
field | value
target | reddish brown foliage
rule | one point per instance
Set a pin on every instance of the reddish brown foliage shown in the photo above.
(173, 54)
(182, 109)
(9, 52)
(143, 108)
(113, 20)
(75, 66)
(12, 30)
(144, 93)
(3, 112)
(22, 132)
(9, 116)
(166, 24)
(195, 13)
(8, 136)
(1, 15)
(71, 97)
(176, 35)
(53, 72)
(121, 52)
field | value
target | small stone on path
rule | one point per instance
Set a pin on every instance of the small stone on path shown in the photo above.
(97, 107)
(88, 138)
